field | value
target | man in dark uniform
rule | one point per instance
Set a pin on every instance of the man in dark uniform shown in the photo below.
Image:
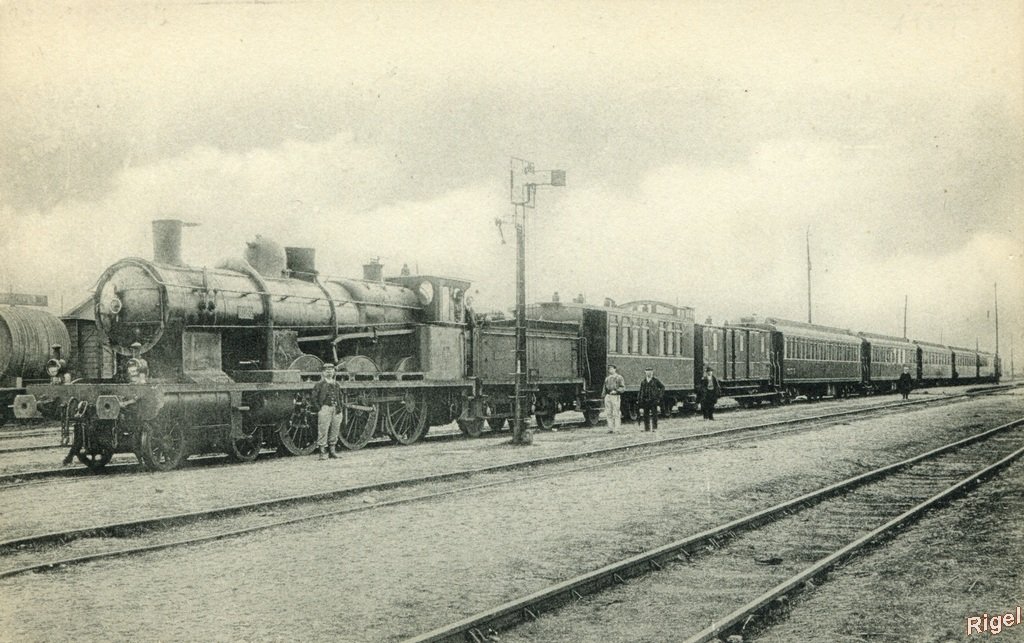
(905, 383)
(709, 390)
(327, 402)
(651, 391)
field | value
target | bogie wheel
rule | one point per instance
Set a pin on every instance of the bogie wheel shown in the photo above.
(496, 424)
(471, 427)
(95, 459)
(163, 445)
(666, 407)
(545, 421)
(297, 434)
(591, 417)
(404, 420)
(247, 447)
(360, 425)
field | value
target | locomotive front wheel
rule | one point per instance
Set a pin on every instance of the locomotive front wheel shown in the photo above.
(404, 421)
(246, 448)
(591, 418)
(545, 421)
(359, 426)
(472, 427)
(163, 445)
(297, 436)
(496, 424)
(95, 460)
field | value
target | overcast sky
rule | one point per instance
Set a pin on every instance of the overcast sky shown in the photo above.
(700, 141)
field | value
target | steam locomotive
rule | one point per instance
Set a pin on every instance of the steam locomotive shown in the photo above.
(224, 359)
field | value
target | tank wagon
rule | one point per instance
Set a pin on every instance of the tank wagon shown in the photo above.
(32, 346)
(222, 359)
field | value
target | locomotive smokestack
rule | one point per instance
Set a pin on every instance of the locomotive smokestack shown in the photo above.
(301, 263)
(373, 271)
(167, 241)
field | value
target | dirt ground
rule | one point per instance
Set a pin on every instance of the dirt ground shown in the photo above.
(966, 560)
(394, 573)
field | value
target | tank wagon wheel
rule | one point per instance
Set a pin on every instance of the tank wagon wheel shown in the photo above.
(246, 448)
(471, 427)
(359, 426)
(496, 424)
(297, 435)
(163, 445)
(591, 417)
(404, 420)
(545, 421)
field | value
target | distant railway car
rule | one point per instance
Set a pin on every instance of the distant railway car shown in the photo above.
(965, 365)
(631, 336)
(883, 358)
(987, 367)
(814, 360)
(742, 359)
(934, 363)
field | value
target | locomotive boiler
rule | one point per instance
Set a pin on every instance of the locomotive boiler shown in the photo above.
(222, 359)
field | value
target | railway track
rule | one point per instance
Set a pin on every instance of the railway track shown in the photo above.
(640, 451)
(35, 476)
(890, 497)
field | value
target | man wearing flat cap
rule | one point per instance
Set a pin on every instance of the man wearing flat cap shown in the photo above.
(327, 402)
(651, 391)
(709, 391)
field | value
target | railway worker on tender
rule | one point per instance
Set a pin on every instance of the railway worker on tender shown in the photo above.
(327, 401)
(905, 383)
(651, 391)
(710, 391)
(614, 385)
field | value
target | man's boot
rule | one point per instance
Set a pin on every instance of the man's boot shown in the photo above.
(323, 453)
(332, 452)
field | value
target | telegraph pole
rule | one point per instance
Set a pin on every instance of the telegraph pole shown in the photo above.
(524, 180)
(904, 316)
(995, 290)
(808, 274)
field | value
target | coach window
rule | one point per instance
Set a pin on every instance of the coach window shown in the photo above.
(739, 336)
(762, 344)
(624, 335)
(644, 337)
(714, 340)
(613, 333)
(660, 349)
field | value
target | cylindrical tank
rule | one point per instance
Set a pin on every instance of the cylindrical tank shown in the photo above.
(26, 337)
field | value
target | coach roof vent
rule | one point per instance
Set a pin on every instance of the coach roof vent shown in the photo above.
(301, 263)
(167, 241)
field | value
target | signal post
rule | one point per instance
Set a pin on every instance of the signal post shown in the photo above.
(523, 183)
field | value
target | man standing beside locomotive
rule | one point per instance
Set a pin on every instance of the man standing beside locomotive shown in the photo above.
(614, 385)
(710, 391)
(651, 391)
(905, 383)
(327, 401)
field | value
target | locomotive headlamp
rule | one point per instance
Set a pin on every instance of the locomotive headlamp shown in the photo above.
(52, 368)
(114, 305)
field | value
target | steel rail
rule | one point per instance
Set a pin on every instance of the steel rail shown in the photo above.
(338, 512)
(741, 617)
(12, 480)
(118, 529)
(478, 626)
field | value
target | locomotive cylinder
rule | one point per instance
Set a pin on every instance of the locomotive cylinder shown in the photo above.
(26, 337)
